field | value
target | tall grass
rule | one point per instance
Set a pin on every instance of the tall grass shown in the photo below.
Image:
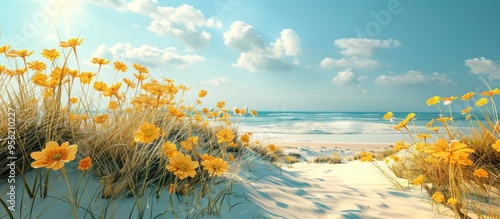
(458, 167)
(56, 100)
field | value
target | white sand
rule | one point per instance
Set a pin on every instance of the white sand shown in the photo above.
(349, 190)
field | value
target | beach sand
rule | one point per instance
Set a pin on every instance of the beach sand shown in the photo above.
(349, 190)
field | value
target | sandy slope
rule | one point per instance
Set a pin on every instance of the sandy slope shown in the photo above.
(303, 190)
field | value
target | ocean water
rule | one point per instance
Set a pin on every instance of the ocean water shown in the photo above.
(337, 126)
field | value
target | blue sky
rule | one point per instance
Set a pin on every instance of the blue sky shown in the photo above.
(281, 55)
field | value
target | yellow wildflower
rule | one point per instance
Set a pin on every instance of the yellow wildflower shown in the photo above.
(419, 180)
(120, 66)
(54, 156)
(388, 115)
(225, 135)
(482, 101)
(480, 173)
(215, 167)
(182, 166)
(468, 96)
(202, 93)
(496, 146)
(438, 197)
(147, 133)
(433, 100)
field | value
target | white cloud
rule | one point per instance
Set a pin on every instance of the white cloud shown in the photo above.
(356, 62)
(347, 77)
(413, 77)
(357, 53)
(362, 47)
(183, 22)
(147, 55)
(255, 55)
(222, 80)
(483, 66)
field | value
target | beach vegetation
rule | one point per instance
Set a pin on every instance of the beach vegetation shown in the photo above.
(136, 135)
(458, 167)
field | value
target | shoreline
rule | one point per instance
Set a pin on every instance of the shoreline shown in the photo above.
(333, 145)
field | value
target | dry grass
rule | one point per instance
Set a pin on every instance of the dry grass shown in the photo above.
(464, 168)
(327, 159)
(56, 101)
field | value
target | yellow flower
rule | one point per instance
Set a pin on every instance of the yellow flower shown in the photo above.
(480, 173)
(141, 76)
(85, 163)
(120, 66)
(141, 69)
(419, 180)
(491, 92)
(100, 86)
(467, 117)
(421, 146)
(54, 156)
(2, 68)
(189, 143)
(205, 157)
(4, 49)
(202, 93)
(113, 90)
(388, 115)
(433, 100)
(236, 111)
(37, 66)
(438, 197)
(232, 144)
(19, 53)
(424, 136)
(129, 83)
(468, 96)
(454, 152)
(101, 119)
(436, 128)
(245, 138)
(215, 166)
(99, 61)
(50, 54)
(225, 135)
(221, 104)
(71, 43)
(169, 149)
(254, 113)
(182, 166)
(86, 77)
(273, 148)
(147, 133)
(430, 123)
(73, 100)
(400, 145)
(466, 110)
(367, 157)
(395, 158)
(231, 157)
(482, 101)
(496, 146)
(452, 201)
(113, 105)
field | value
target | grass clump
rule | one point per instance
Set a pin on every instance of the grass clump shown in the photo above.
(459, 168)
(134, 133)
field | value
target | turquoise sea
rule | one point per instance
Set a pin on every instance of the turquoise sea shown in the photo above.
(338, 126)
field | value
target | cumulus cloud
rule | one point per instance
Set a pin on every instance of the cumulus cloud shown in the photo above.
(183, 22)
(255, 55)
(347, 77)
(362, 47)
(357, 53)
(483, 66)
(413, 77)
(222, 80)
(148, 55)
(356, 62)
